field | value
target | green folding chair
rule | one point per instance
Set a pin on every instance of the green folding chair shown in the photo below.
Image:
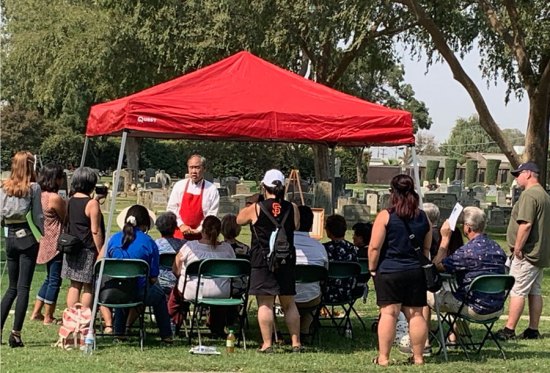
(120, 287)
(191, 270)
(342, 270)
(491, 285)
(167, 259)
(308, 274)
(232, 269)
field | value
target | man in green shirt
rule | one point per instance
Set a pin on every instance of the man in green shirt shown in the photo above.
(531, 250)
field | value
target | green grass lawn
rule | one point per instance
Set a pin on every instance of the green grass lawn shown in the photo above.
(334, 353)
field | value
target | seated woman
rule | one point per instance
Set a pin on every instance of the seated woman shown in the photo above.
(230, 232)
(168, 244)
(206, 248)
(133, 242)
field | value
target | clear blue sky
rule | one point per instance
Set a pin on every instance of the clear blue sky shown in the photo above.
(447, 100)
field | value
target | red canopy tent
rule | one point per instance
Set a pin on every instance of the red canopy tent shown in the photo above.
(245, 98)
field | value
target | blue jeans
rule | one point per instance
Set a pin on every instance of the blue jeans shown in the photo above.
(155, 298)
(52, 283)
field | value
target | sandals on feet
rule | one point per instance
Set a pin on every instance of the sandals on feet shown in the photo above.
(411, 361)
(375, 361)
(268, 350)
(107, 329)
(53, 321)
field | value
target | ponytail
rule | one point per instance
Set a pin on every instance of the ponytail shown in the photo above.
(128, 234)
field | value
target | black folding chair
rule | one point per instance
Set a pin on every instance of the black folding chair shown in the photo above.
(490, 285)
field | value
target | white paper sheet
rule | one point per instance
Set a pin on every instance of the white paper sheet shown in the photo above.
(454, 215)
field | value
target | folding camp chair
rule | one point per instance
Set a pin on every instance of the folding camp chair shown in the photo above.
(233, 269)
(489, 285)
(120, 287)
(309, 274)
(342, 270)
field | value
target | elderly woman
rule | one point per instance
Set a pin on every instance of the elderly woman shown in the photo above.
(395, 266)
(19, 194)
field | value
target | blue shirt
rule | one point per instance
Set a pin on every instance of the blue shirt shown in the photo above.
(142, 247)
(479, 256)
(397, 254)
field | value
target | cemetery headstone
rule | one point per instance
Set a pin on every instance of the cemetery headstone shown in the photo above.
(150, 174)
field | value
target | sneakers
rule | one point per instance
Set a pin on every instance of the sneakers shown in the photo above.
(530, 334)
(505, 334)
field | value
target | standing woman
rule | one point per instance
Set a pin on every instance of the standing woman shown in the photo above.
(395, 267)
(85, 221)
(264, 284)
(54, 207)
(19, 195)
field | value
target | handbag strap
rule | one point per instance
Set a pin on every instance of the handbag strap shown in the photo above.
(416, 243)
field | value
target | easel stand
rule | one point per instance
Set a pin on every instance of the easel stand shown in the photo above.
(294, 179)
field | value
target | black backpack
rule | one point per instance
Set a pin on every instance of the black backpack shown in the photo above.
(281, 248)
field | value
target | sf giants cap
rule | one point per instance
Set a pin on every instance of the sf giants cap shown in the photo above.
(527, 166)
(271, 176)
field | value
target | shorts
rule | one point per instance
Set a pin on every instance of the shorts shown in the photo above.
(407, 288)
(528, 278)
(448, 303)
(265, 282)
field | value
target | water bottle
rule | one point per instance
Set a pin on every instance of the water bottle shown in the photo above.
(348, 333)
(230, 341)
(201, 289)
(173, 328)
(88, 344)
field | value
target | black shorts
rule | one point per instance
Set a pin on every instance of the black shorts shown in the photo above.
(265, 282)
(407, 288)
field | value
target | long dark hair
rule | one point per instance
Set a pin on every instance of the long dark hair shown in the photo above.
(211, 228)
(278, 190)
(404, 199)
(49, 174)
(136, 217)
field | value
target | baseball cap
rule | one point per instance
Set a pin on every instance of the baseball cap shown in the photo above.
(527, 166)
(271, 176)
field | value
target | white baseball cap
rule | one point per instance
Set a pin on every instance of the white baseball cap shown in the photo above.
(271, 176)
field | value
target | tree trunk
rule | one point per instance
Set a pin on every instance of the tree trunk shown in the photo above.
(485, 118)
(358, 153)
(321, 161)
(132, 157)
(536, 138)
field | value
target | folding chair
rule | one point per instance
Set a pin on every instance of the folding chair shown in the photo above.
(167, 259)
(191, 270)
(489, 285)
(233, 269)
(309, 274)
(120, 287)
(342, 270)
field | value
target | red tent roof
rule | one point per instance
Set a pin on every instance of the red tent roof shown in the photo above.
(245, 98)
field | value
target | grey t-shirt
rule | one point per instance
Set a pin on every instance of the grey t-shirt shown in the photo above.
(16, 208)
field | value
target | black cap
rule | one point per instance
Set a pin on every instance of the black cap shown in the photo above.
(527, 166)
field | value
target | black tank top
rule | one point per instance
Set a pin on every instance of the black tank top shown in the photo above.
(79, 224)
(261, 231)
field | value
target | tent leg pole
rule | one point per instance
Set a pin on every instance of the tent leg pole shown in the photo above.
(108, 228)
(417, 175)
(332, 177)
(84, 152)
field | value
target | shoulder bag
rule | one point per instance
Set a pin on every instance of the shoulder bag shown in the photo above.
(68, 243)
(431, 274)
